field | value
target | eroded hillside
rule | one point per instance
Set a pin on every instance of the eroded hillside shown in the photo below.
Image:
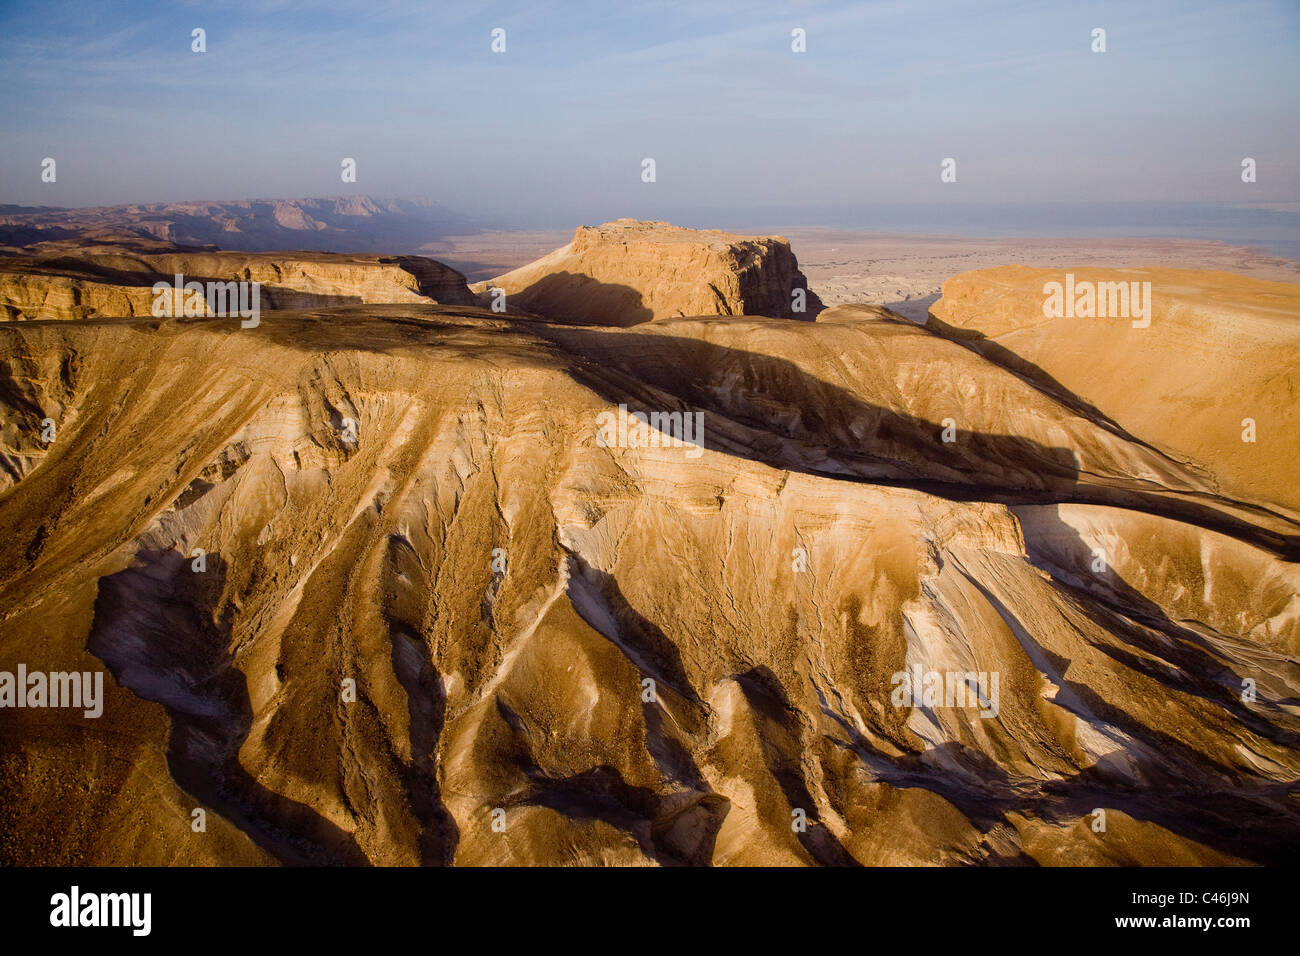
(61, 281)
(566, 649)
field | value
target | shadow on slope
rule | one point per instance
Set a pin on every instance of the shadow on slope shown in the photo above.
(792, 420)
(156, 630)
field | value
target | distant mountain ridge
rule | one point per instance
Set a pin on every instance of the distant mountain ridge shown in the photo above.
(344, 224)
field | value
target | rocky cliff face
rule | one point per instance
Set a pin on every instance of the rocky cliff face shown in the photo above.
(117, 282)
(625, 272)
(444, 618)
(1212, 380)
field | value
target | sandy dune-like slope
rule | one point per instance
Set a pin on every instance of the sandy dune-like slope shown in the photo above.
(1220, 349)
(907, 272)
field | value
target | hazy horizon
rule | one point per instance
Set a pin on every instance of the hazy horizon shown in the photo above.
(556, 127)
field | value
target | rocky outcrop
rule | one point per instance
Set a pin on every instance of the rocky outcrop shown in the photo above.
(627, 271)
(1210, 376)
(434, 280)
(118, 282)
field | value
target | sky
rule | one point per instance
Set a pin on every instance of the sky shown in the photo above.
(558, 126)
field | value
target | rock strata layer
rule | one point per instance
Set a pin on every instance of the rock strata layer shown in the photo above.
(625, 272)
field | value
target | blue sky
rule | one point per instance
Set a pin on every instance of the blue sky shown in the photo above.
(561, 121)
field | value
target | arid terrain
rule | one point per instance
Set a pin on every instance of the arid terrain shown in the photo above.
(903, 272)
(393, 574)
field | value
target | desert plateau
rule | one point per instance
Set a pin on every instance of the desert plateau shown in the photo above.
(460, 460)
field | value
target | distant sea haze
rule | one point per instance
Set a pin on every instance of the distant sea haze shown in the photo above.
(1274, 230)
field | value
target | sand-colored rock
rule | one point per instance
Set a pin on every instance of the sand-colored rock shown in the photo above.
(1220, 349)
(869, 395)
(112, 281)
(770, 583)
(625, 272)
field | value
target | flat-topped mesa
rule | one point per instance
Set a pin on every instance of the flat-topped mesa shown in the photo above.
(627, 271)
